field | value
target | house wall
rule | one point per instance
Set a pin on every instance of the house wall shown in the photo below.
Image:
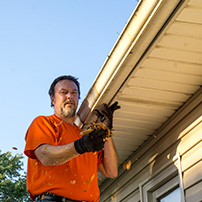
(170, 159)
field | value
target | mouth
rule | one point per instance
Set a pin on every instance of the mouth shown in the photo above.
(69, 103)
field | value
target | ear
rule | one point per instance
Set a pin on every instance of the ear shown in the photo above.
(53, 100)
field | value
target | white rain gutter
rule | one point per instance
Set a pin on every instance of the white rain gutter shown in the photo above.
(141, 29)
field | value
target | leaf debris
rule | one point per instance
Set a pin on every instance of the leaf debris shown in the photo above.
(127, 165)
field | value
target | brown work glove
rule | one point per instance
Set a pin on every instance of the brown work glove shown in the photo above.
(105, 114)
(92, 142)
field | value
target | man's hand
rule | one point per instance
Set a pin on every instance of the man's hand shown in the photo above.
(104, 114)
(92, 142)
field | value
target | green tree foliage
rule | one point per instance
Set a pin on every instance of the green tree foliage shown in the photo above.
(12, 179)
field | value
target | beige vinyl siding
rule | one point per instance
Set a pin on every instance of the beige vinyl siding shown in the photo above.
(194, 193)
(156, 164)
(192, 163)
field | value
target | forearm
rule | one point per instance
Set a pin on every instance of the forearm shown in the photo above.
(50, 155)
(110, 160)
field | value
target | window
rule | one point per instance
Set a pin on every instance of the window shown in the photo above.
(164, 187)
(173, 196)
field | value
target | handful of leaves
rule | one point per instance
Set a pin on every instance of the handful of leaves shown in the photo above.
(97, 126)
(103, 118)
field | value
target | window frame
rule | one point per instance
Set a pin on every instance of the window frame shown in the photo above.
(165, 189)
(159, 185)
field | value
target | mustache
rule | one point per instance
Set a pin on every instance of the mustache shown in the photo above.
(69, 101)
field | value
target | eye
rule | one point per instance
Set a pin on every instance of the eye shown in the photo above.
(74, 92)
(63, 92)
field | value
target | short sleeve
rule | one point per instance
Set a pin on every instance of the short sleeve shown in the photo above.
(41, 131)
(100, 157)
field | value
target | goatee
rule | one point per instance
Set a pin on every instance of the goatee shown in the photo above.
(68, 113)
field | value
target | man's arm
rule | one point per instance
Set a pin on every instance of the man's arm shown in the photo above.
(109, 167)
(104, 114)
(50, 155)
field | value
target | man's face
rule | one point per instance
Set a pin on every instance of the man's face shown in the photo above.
(66, 98)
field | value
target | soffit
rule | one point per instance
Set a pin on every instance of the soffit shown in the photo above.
(168, 74)
(161, 80)
(166, 77)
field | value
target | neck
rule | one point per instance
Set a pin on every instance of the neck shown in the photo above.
(67, 120)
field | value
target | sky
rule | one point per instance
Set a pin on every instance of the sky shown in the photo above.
(43, 39)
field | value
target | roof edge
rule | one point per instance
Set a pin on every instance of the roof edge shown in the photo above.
(135, 28)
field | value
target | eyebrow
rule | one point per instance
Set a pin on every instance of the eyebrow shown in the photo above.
(68, 90)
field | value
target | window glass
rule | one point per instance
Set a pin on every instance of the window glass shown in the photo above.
(173, 196)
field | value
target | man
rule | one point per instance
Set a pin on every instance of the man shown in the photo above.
(63, 164)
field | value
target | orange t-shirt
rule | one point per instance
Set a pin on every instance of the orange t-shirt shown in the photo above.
(76, 179)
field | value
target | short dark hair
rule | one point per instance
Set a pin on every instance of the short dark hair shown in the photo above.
(51, 91)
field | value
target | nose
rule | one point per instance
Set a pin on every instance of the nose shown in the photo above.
(69, 95)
